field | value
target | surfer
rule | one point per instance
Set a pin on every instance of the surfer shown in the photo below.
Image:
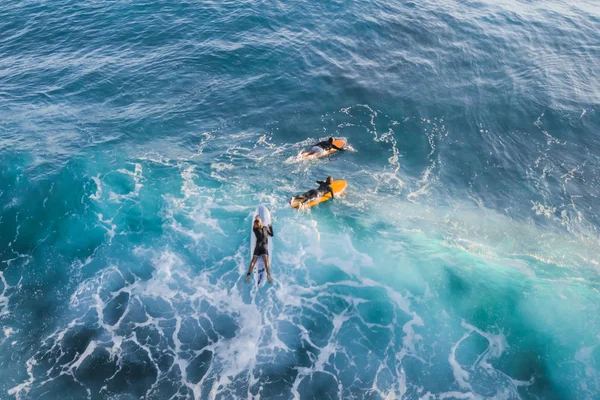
(261, 249)
(322, 147)
(322, 190)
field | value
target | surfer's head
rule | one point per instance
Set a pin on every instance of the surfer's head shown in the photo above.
(331, 139)
(329, 180)
(257, 222)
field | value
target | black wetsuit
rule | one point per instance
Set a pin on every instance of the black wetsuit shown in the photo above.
(326, 145)
(262, 240)
(322, 190)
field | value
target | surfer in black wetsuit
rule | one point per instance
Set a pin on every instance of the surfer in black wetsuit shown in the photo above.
(322, 190)
(323, 146)
(261, 249)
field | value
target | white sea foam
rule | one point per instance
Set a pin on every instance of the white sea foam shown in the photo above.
(329, 313)
(108, 225)
(98, 193)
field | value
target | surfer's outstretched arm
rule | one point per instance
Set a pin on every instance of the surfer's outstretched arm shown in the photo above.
(331, 191)
(251, 268)
(270, 230)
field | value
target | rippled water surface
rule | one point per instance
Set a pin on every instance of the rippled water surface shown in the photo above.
(138, 137)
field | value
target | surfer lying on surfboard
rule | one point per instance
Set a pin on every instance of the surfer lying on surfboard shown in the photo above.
(261, 249)
(324, 188)
(323, 147)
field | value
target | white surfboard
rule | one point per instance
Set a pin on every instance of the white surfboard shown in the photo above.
(259, 268)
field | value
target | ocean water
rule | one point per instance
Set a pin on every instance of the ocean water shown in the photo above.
(138, 137)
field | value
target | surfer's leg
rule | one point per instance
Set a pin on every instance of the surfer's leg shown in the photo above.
(268, 268)
(313, 150)
(254, 258)
(310, 195)
(297, 198)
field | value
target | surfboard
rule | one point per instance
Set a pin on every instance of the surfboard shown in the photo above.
(259, 268)
(338, 186)
(339, 143)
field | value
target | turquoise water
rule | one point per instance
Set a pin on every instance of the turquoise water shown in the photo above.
(137, 139)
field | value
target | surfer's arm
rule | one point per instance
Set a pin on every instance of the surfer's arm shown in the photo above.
(270, 230)
(331, 191)
(320, 183)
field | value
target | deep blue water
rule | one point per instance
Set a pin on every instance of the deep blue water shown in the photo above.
(138, 137)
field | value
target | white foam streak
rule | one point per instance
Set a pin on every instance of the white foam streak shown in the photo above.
(4, 298)
(24, 387)
(460, 374)
(98, 193)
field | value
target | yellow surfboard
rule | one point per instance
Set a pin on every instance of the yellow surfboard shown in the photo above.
(338, 187)
(339, 143)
